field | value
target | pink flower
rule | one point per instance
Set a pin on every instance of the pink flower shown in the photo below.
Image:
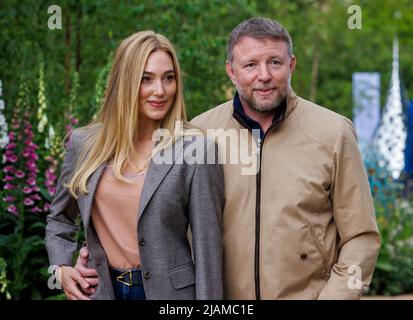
(26, 152)
(9, 199)
(33, 156)
(31, 181)
(12, 209)
(9, 169)
(46, 207)
(49, 183)
(27, 190)
(36, 188)
(31, 164)
(12, 159)
(52, 190)
(8, 178)
(12, 135)
(35, 209)
(19, 174)
(8, 186)
(11, 146)
(28, 202)
(35, 197)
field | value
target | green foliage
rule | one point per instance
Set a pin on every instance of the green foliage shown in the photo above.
(66, 72)
(394, 270)
(4, 293)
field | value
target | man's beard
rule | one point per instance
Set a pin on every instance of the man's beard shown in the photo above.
(263, 107)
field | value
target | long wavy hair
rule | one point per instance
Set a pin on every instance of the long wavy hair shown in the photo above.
(116, 125)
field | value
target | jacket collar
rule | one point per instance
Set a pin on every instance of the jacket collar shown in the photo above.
(281, 112)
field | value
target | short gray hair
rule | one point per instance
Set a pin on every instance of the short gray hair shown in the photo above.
(259, 28)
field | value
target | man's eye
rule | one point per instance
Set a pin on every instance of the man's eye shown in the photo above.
(249, 65)
(275, 62)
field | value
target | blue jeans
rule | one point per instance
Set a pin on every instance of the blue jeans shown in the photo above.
(123, 291)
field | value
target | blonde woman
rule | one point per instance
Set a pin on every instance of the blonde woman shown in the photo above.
(135, 208)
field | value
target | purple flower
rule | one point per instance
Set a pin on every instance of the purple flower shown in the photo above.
(35, 197)
(9, 199)
(12, 159)
(31, 164)
(12, 209)
(35, 209)
(36, 188)
(52, 190)
(12, 135)
(11, 146)
(8, 178)
(8, 186)
(33, 156)
(31, 181)
(46, 207)
(27, 190)
(9, 169)
(19, 174)
(26, 152)
(28, 202)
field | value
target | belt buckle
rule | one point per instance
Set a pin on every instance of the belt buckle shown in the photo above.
(120, 277)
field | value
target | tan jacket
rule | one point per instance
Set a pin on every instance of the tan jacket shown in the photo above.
(304, 226)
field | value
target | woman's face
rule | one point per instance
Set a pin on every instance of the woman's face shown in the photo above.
(158, 86)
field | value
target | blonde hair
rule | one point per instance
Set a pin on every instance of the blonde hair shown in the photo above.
(117, 120)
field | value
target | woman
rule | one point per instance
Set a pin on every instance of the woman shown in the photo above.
(135, 206)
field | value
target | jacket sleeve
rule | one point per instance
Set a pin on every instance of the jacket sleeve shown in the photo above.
(353, 211)
(205, 215)
(61, 227)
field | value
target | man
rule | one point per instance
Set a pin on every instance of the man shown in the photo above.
(303, 225)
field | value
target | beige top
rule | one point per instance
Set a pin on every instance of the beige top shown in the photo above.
(115, 217)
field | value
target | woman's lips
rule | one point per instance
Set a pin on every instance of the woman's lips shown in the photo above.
(157, 104)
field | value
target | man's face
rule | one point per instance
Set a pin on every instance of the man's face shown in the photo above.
(261, 71)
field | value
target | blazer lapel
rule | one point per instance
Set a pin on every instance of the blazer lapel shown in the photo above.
(87, 200)
(157, 171)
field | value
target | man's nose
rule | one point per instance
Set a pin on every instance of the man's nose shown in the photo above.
(263, 74)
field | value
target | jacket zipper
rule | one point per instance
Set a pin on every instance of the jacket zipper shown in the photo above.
(257, 213)
(257, 207)
(258, 225)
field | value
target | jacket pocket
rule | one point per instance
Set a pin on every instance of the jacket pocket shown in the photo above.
(319, 246)
(183, 276)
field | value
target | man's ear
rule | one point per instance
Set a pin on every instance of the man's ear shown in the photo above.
(230, 72)
(293, 62)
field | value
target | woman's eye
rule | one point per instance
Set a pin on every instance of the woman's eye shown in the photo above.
(171, 77)
(146, 79)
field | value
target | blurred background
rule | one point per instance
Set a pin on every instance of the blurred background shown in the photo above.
(353, 57)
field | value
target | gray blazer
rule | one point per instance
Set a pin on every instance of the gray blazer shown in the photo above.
(174, 197)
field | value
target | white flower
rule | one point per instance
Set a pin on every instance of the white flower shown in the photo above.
(42, 123)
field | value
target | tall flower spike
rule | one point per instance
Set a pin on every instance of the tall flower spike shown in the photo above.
(41, 112)
(4, 138)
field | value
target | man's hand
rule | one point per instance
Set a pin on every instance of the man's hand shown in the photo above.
(89, 275)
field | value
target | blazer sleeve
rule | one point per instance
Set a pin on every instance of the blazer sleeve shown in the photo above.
(354, 216)
(205, 216)
(61, 227)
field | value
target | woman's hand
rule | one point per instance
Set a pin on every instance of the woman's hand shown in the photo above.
(71, 280)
